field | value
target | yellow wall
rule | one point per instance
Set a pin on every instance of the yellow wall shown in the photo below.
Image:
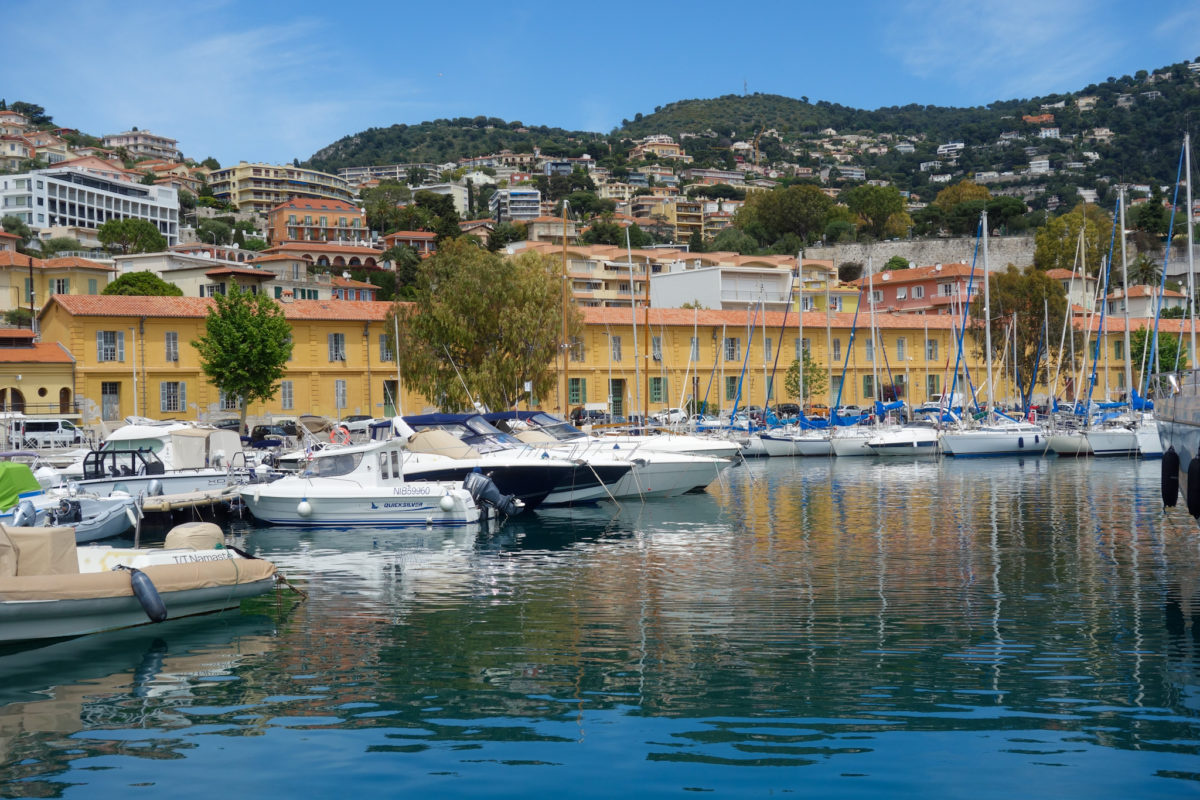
(313, 376)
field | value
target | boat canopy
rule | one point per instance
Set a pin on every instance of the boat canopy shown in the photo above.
(16, 483)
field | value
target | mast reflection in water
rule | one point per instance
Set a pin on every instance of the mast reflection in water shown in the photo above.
(936, 629)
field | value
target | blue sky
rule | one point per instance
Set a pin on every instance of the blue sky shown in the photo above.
(271, 81)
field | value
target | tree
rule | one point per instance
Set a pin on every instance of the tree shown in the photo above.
(1003, 211)
(814, 379)
(734, 240)
(1031, 295)
(404, 261)
(604, 231)
(381, 205)
(496, 321)
(896, 262)
(143, 284)
(1057, 242)
(131, 236)
(800, 209)
(254, 243)
(961, 192)
(19, 317)
(1169, 348)
(1144, 271)
(246, 345)
(506, 233)
(214, 232)
(874, 205)
(17, 227)
(211, 163)
(417, 176)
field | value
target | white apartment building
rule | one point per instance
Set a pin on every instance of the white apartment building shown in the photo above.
(144, 143)
(515, 205)
(73, 197)
(457, 193)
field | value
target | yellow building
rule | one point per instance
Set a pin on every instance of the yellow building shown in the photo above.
(36, 378)
(133, 355)
(20, 273)
(262, 187)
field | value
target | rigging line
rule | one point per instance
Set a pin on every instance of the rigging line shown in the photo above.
(1163, 280)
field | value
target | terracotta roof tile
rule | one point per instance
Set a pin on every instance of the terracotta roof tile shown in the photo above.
(39, 353)
(261, 274)
(322, 247)
(95, 305)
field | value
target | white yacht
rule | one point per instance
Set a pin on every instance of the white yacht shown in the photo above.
(996, 439)
(917, 438)
(363, 484)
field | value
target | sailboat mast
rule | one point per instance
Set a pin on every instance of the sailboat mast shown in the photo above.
(1187, 151)
(637, 376)
(566, 348)
(874, 340)
(987, 315)
(800, 324)
(1125, 298)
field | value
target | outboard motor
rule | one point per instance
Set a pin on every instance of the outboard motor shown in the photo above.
(68, 512)
(26, 515)
(484, 492)
(154, 488)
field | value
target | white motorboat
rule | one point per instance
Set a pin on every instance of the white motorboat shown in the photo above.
(918, 438)
(366, 484)
(852, 441)
(658, 440)
(793, 441)
(50, 587)
(180, 456)
(1113, 440)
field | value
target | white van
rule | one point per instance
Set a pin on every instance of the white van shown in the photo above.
(45, 433)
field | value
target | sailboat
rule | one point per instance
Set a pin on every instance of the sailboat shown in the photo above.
(1001, 435)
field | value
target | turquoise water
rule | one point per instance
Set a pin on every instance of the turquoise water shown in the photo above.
(993, 628)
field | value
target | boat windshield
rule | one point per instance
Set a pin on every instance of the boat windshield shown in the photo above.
(478, 433)
(153, 445)
(558, 428)
(332, 464)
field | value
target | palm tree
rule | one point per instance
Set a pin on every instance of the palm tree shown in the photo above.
(1144, 271)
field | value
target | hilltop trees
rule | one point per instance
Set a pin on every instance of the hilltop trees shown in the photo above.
(131, 236)
(802, 210)
(875, 205)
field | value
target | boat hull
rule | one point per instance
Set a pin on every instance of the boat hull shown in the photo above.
(1119, 442)
(1068, 445)
(321, 503)
(1029, 441)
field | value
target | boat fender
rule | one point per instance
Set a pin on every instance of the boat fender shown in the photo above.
(340, 435)
(147, 595)
(1193, 487)
(1170, 478)
(25, 516)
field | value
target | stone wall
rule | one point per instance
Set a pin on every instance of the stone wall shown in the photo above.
(1002, 251)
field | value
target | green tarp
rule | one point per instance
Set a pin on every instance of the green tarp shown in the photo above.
(16, 480)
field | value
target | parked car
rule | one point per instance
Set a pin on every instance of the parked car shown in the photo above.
(232, 424)
(785, 410)
(263, 432)
(849, 411)
(45, 433)
(670, 416)
(816, 410)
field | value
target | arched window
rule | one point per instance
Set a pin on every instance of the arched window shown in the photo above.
(338, 261)
(322, 261)
(12, 400)
(354, 262)
(64, 401)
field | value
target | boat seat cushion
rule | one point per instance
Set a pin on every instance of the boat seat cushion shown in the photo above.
(434, 440)
(40, 551)
(167, 578)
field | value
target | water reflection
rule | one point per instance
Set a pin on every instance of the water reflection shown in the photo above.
(875, 623)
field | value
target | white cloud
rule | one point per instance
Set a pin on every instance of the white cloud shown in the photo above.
(1017, 49)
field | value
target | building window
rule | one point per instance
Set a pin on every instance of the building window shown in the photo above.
(695, 349)
(110, 345)
(575, 350)
(286, 396)
(733, 349)
(60, 286)
(230, 402)
(110, 400)
(869, 347)
(932, 385)
(1119, 351)
(339, 395)
(92, 286)
(172, 342)
(837, 349)
(901, 292)
(918, 292)
(385, 348)
(901, 343)
(835, 304)
(731, 387)
(931, 348)
(337, 347)
(877, 296)
(576, 391)
(172, 396)
(656, 348)
(945, 289)
(767, 348)
(657, 390)
(835, 387)
(615, 342)
(868, 387)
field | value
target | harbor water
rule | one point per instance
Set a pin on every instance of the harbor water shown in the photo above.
(859, 628)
